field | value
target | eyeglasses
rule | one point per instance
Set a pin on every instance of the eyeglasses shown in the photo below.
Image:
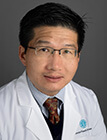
(67, 53)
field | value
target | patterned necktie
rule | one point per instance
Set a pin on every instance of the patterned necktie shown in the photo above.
(51, 105)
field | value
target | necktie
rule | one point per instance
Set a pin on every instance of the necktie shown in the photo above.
(51, 105)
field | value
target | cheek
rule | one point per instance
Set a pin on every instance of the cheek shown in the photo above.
(34, 67)
(71, 69)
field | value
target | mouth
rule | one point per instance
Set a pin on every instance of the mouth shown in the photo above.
(53, 79)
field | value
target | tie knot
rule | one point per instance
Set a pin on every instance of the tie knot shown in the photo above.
(51, 105)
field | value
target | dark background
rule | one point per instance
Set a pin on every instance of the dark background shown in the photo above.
(93, 66)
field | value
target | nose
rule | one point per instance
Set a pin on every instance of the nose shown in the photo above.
(59, 51)
(55, 62)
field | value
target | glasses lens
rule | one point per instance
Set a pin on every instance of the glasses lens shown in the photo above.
(68, 53)
(43, 51)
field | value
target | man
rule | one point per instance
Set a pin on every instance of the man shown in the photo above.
(44, 103)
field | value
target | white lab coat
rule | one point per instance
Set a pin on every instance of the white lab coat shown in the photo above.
(21, 117)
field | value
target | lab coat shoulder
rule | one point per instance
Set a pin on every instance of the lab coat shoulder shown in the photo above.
(86, 100)
(84, 94)
(88, 106)
(6, 91)
(6, 94)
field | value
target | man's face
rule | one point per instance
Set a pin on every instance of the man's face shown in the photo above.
(50, 74)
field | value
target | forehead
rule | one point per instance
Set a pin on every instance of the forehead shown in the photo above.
(53, 35)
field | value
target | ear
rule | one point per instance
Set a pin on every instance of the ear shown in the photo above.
(79, 56)
(22, 55)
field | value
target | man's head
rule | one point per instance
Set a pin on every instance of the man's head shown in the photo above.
(51, 14)
(51, 38)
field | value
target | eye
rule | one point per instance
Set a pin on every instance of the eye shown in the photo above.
(43, 49)
(67, 51)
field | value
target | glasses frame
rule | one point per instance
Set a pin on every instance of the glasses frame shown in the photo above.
(76, 52)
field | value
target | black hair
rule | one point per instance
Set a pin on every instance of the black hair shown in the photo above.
(51, 14)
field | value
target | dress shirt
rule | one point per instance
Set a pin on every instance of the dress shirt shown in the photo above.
(41, 97)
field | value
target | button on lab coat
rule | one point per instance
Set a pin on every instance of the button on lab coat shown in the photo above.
(21, 117)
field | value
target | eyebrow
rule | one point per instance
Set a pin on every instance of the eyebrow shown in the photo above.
(70, 45)
(42, 41)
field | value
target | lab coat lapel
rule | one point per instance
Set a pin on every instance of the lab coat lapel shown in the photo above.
(71, 116)
(38, 125)
(28, 106)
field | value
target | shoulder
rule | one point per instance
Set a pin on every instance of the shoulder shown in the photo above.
(6, 92)
(8, 87)
(9, 90)
(87, 102)
(85, 96)
(82, 91)
(79, 87)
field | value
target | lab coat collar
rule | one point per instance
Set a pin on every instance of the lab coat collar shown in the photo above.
(24, 95)
(36, 122)
(71, 115)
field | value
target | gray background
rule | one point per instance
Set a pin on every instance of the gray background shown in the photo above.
(93, 66)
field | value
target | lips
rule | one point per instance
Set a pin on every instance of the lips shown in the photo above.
(53, 78)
